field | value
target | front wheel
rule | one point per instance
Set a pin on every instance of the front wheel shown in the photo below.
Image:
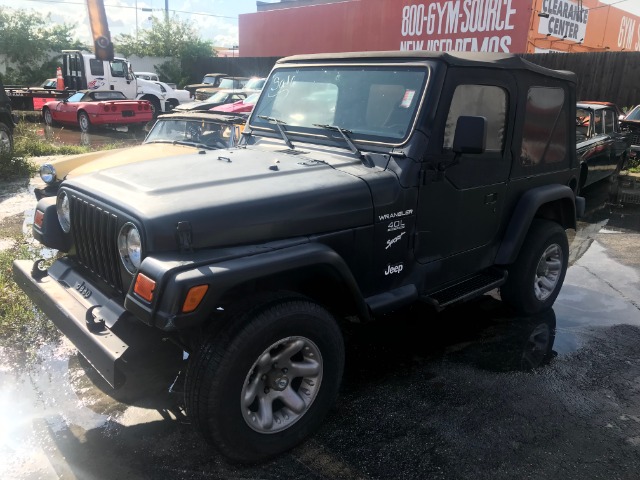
(48, 117)
(535, 278)
(84, 122)
(267, 381)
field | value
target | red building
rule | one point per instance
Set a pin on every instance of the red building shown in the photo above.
(519, 26)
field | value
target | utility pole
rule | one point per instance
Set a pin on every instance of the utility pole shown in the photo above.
(166, 10)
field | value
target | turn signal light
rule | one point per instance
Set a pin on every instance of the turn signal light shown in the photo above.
(144, 287)
(194, 297)
(38, 218)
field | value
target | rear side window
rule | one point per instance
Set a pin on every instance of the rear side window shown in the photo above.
(479, 100)
(544, 137)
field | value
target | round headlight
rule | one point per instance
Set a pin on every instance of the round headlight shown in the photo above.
(130, 247)
(64, 212)
(48, 173)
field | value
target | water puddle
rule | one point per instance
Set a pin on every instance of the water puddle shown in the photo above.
(99, 138)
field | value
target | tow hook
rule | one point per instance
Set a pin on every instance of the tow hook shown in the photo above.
(39, 271)
(94, 324)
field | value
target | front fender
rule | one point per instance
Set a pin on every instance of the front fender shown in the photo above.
(175, 278)
(46, 226)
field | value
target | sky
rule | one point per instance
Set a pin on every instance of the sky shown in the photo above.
(215, 20)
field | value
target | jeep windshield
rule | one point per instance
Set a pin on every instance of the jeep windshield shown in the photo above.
(374, 103)
(197, 132)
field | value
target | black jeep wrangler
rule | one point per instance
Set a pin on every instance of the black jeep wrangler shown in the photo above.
(364, 182)
(7, 122)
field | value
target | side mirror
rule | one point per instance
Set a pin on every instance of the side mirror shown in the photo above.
(471, 135)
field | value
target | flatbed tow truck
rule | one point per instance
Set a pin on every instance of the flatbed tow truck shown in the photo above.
(32, 98)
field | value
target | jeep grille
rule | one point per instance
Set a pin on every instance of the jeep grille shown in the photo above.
(635, 138)
(95, 232)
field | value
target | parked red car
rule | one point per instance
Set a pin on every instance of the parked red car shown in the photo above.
(241, 106)
(92, 108)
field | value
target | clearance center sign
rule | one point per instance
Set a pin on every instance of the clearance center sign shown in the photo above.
(368, 25)
(563, 19)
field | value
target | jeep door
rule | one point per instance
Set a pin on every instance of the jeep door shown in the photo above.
(460, 202)
(597, 150)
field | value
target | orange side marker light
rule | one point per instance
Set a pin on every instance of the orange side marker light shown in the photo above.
(144, 287)
(194, 297)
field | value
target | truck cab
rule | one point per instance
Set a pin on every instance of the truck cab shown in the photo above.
(82, 70)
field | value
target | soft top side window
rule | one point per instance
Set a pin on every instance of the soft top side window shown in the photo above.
(544, 136)
(479, 100)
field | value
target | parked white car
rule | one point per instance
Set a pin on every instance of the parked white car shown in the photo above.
(147, 76)
(182, 96)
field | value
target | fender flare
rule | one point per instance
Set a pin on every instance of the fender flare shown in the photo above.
(526, 210)
(174, 280)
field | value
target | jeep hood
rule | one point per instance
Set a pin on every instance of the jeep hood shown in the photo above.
(75, 165)
(238, 196)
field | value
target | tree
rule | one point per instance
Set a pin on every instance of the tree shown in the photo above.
(28, 40)
(167, 37)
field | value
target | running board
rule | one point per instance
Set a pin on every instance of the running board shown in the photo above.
(471, 287)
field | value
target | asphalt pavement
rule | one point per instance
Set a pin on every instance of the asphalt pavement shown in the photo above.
(469, 393)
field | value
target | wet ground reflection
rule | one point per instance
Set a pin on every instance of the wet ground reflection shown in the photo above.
(71, 136)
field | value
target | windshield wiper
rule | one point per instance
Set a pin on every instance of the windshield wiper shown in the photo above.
(279, 123)
(345, 134)
(195, 144)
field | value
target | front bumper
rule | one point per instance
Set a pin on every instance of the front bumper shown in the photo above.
(88, 318)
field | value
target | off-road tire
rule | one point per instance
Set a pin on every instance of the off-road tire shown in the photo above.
(83, 122)
(537, 275)
(232, 360)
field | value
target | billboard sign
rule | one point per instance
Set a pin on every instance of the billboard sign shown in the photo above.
(564, 19)
(368, 25)
(463, 25)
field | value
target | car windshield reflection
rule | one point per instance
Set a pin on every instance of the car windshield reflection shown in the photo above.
(192, 131)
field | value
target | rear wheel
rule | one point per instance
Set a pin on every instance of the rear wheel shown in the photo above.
(84, 122)
(155, 106)
(265, 382)
(537, 275)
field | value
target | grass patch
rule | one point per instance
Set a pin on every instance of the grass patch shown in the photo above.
(23, 327)
(633, 166)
